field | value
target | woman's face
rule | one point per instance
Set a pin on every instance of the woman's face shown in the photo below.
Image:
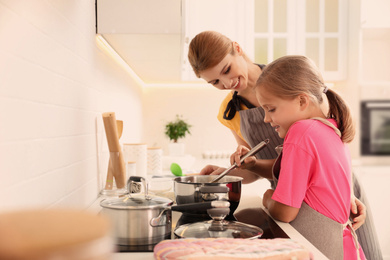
(231, 73)
(280, 113)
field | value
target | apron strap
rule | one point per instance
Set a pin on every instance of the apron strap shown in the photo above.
(234, 105)
(355, 238)
(326, 122)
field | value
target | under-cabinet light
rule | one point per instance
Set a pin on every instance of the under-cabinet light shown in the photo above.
(106, 47)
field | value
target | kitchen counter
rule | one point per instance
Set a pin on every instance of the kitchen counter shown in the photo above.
(250, 198)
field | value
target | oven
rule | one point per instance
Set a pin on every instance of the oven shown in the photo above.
(375, 127)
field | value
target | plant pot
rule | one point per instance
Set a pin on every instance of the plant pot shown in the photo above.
(176, 149)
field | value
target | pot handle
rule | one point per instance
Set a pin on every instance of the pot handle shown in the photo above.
(134, 187)
(200, 206)
(162, 220)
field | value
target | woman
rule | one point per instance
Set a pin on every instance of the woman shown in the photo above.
(223, 63)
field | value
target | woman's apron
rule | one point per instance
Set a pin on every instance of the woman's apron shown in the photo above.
(254, 131)
(323, 232)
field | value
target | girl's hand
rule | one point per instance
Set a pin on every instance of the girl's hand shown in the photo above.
(358, 213)
(241, 151)
(212, 170)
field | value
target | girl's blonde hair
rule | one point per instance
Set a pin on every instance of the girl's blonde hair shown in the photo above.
(207, 49)
(291, 76)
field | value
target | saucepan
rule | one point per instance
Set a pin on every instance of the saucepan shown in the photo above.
(189, 189)
(143, 219)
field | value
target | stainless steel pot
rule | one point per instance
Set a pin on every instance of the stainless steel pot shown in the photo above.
(130, 217)
(141, 219)
(187, 189)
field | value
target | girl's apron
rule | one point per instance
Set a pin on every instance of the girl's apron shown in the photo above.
(323, 232)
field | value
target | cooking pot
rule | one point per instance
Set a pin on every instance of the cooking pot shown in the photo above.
(188, 190)
(143, 219)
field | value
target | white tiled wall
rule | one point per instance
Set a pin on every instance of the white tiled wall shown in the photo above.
(54, 85)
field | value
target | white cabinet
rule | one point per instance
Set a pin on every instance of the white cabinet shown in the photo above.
(374, 76)
(315, 28)
(138, 17)
(375, 48)
(375, 14)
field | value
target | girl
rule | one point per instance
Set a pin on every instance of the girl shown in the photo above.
(313, 171)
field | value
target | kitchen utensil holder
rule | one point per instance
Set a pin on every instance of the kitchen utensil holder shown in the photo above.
(110, 188)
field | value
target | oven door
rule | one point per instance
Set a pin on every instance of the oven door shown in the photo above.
(375, 127)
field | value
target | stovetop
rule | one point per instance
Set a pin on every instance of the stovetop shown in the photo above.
(253, 216)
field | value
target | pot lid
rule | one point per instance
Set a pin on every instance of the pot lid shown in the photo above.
(139, 201)
(218, 229)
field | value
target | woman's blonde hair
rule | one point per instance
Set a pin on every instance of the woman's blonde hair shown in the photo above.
(207, 49)
(291, 76)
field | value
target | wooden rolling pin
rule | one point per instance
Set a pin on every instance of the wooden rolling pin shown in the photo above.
(110, 170)
(116, 154)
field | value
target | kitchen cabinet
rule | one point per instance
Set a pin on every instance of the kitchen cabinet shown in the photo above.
(315, 28)
(375, 14)
(150, 35)
(375, 49)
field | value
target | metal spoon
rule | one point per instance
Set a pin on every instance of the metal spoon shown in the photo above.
(242, 159)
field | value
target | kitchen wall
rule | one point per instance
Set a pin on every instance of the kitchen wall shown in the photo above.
(55, 82)
(199, 106)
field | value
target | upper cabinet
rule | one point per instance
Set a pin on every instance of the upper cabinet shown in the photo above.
(152, 36)
(314, 28)
(375, 14)
(375, 45)
(146, 34)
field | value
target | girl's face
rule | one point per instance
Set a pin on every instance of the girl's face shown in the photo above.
(280, 113)
(231, 73)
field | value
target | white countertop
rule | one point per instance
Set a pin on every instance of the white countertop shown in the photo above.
(250, 197)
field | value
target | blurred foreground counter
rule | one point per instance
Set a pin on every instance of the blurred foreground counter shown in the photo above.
(41, 234)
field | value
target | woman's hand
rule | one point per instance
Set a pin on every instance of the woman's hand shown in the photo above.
(358, 213)
(212, 170)
(241, 151)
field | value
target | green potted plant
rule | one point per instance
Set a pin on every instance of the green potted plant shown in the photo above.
(175, 130)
